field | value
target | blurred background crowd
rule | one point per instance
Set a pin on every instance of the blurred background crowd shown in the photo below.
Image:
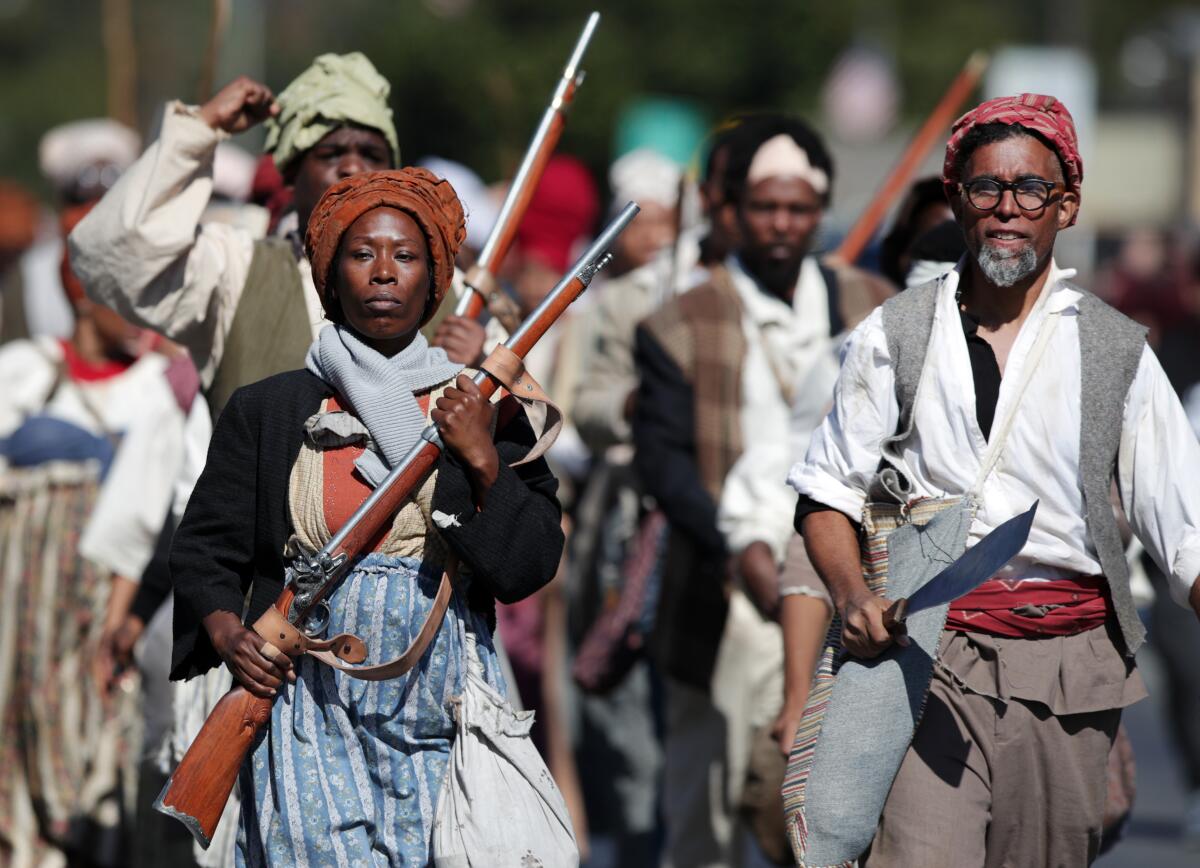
(89, 725)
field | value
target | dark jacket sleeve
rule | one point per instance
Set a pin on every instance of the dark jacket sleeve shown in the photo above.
(515, 542)
(665, 441)
(156, 578)
(212, 555)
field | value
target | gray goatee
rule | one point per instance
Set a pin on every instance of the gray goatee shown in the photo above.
(1004, 268)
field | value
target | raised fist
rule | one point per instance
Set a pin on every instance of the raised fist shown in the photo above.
(239, 105)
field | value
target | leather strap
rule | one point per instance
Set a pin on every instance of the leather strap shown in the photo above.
(498, 302)
(508, 369)
(283, 637)
(281, 633)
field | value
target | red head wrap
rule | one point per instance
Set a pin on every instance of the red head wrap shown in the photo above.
(563, 210)
(1042, 114)
(419, 193)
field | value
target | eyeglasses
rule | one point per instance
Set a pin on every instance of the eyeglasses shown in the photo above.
(1031, 194)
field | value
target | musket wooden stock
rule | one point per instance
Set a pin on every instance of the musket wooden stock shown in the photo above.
(506, 232)
(199, 787)
(942, 116)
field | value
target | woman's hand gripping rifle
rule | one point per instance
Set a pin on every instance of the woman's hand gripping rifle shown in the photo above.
(199, 787)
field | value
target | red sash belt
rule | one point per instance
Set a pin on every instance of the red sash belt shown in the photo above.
(1031, 609)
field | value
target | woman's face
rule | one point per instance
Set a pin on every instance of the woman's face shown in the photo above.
(382, 277)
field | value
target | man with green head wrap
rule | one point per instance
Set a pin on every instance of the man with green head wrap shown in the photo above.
(146, 252)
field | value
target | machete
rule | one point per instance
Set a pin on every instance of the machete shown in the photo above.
(978, 564)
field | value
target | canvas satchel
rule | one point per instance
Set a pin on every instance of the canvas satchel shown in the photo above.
(499, 806)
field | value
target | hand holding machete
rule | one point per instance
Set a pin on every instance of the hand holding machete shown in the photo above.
(866, 615)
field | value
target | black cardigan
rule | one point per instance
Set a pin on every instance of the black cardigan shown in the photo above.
(231, 539)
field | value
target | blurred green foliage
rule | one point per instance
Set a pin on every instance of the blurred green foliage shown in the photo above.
(471, 77)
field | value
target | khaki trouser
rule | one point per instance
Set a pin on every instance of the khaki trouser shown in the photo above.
(996, 785)
(709, 738)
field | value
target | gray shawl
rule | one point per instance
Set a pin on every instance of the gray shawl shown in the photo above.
(380, 390)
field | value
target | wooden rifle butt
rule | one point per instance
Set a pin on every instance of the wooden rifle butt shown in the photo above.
(199, 787)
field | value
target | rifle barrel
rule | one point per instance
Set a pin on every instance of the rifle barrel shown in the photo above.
(544, 140)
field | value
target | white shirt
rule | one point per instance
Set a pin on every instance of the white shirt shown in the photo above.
(789, 343)
(156, 459)
(1158, 465)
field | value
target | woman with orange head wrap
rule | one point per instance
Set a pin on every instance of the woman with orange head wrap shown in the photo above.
(349, 772)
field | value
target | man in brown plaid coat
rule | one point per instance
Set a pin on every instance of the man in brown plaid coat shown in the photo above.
(732, 373)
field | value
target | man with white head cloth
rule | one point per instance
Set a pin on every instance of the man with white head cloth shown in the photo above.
(81, 160)
(652, 180)
(721, 368)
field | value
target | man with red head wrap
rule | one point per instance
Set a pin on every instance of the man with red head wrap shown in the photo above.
(991, 748)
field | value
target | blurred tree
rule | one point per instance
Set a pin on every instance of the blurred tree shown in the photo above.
(470, 78)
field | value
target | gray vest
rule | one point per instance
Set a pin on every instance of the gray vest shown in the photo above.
(1110, 347)
(270, 332)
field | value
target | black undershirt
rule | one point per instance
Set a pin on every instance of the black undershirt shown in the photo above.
(985, 372)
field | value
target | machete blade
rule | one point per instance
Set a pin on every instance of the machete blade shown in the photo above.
(977, 564)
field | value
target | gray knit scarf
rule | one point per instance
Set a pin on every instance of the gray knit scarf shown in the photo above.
(380, 390)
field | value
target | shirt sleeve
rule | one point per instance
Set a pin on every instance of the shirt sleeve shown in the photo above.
(599, 406)
(844, 452)
(144, 252)
(665, 454)
(125, 523)
(1157, 465)
(756, 504)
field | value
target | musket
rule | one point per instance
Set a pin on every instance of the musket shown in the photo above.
(942, 116)
(480, 280)
(199, 787)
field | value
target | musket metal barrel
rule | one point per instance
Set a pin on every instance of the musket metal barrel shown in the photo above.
(571, 78)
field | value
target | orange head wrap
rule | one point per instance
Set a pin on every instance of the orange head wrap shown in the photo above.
(419, 193)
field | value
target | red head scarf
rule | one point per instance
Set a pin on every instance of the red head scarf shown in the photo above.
(419, 193)
(563, 210)
(1042, 114)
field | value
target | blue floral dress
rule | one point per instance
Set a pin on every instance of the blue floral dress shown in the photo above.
(349, 772)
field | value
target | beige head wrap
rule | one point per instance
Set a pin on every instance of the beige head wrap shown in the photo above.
(337, 89)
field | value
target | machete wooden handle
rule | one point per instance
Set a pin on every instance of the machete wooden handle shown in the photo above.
(893, 618)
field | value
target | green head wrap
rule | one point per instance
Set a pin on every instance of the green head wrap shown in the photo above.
(337, 89)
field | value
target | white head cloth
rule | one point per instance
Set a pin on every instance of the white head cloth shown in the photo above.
(67, 150)
(781, 157)
(477, 200)
(644, 175)
(233, 172)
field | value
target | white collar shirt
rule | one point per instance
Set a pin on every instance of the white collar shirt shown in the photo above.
(787, 376)
(1158, 459)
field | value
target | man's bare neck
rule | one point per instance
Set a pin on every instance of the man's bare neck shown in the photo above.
(998, 306)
